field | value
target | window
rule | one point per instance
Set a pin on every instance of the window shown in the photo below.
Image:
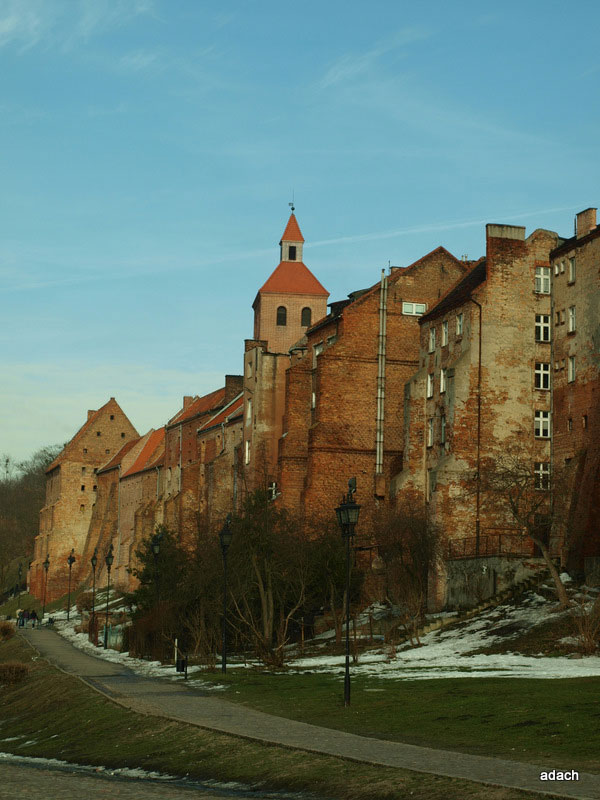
(542, 280)
(305, 317)
(556, 268)
(542, 475)
(444, 333)
(107, 452)
(430, 432)
(459, 324)
(112, 416)
(317, 350)
(83, 488)
(122, 436)
(571, 324)
(542, 375)
(443, 373)
(542, 425)
(249, 412)
(82, 508)
(292, 252)
(562, 317)
(94, 488)
(430, 385)
(313, 401)
(85, 449)
(584, 421)
(571, 369)
(430, 487)
(431, 340)
(557, 320)
(542, 328)
(562, 266)
(572, 270)
(247, 453)
(83, 470)
(98, 433)
(443, 429)
(414, 309)
(570, 424)
(282, 316)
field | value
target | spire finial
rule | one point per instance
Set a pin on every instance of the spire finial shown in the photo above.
(291, 205)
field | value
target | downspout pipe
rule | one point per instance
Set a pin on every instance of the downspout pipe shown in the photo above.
(380, 413)
(478, 484)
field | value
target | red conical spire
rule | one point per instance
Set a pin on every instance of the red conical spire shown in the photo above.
(292, 231)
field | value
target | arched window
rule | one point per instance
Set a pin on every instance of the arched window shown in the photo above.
(305, 318)
(282, 315)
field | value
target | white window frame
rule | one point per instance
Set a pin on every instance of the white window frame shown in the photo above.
(247, 452)
(556, 267)
(541, 426)
(249, 411)
(571, 370)
(572, 320)
(542, 280)
(541, 472)
(572, 270)
(430, 432)
(443, 429)
(562, 265)
(431, 339)
(542, 375)
(459, 324)
(430, 382)
(444, 333)
(414, 309)
(443, 380)
(542, 327)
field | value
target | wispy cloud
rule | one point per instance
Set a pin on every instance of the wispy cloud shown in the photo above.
(64, 23)
(353, 65)
(138, 60)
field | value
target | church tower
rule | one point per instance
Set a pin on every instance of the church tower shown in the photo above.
(291, 299)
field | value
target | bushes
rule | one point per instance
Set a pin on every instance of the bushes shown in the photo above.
(7, 630)
(13, 672)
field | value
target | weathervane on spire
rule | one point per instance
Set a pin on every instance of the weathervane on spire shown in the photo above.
(291, 205)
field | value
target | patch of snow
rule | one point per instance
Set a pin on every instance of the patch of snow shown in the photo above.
(565, 577)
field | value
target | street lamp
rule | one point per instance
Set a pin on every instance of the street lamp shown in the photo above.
(225, 537)
(108, 559)
(94, 563)
(46, 566)
(70, 562)
(347, 516)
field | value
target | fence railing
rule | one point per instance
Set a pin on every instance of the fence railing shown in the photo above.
(494, 542)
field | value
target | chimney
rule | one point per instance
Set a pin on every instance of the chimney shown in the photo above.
(234, 384)
(187, 400)
(505, 232)
(586, 222)
(90, 414)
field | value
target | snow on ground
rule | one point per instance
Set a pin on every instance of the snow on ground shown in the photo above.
(445, 653)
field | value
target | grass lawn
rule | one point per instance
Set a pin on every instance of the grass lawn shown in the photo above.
(539, 721)
(54, 715)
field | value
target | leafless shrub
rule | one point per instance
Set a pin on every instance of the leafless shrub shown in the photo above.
(84, 602)
(7, 629)
(13, 672)
(586, 620)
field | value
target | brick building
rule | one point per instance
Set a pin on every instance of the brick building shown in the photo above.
(286, 305)
(71, 486)
(575, 364)
(344, 390)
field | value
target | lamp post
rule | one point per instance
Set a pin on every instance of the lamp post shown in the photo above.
(225, 537)
(347, 515)
(70, 562)
(108, 559)
(46, 566)
(94, 563)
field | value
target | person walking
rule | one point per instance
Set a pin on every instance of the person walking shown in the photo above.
(19, 617)
(25, 617)
(33, 617)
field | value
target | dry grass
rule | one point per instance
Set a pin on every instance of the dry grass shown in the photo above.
(13, 672)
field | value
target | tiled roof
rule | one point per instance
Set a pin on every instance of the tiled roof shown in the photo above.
(148, 453)
(199, 405)
(460, 292)
(115, 461)
(292, 277)
(231, 410)
(85, 427)
(292, 231)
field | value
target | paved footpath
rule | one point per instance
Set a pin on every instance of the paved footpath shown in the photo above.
(159, 697)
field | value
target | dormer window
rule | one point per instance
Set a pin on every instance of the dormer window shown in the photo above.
(292, 252)
(282, 316)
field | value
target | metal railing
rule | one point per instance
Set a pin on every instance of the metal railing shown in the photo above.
(494, 542)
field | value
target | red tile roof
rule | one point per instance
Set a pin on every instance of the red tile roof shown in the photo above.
(292, 277)
(148, 453)
(115, 461)
(292, 231)
(232, 410)
(199, 405)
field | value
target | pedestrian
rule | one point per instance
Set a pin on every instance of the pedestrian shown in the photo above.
(25, 617)
(19, 617)
(33, 617)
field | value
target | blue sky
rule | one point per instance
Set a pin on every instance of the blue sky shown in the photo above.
(150, 149)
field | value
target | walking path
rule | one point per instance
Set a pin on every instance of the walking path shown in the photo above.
(158, 697)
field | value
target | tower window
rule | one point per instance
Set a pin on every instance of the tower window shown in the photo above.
(282, 316)
(292, 252)
(305, 318)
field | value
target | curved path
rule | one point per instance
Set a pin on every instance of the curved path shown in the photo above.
(162, 698)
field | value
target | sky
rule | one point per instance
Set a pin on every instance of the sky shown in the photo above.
(149, 151)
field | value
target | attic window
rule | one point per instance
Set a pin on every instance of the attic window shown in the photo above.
(112, 416)
(282, 316)
(292, 252)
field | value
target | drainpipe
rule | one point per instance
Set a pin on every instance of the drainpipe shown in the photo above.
(478, 487)
(222, 438)
(157, 482)
(379, 420)
(180, 459)
(118, 518)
